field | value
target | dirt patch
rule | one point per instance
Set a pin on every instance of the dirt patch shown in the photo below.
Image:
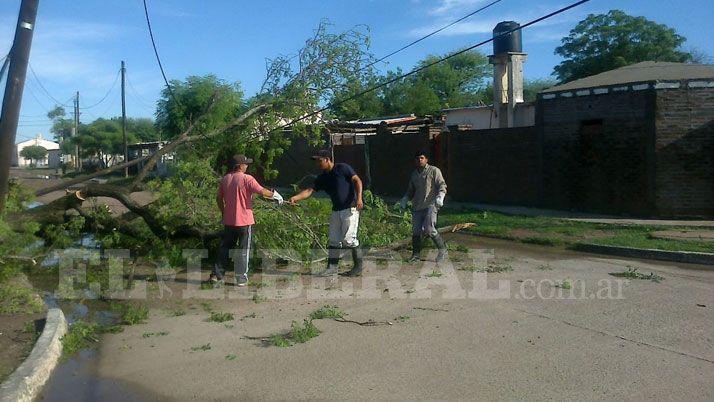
(35, 179)
(529, 234)
(692, 235)
(17, 337)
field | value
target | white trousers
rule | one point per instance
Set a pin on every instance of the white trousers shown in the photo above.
(343, 228)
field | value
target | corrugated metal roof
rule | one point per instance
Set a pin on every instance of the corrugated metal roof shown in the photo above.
(388, 120)
(646, 71)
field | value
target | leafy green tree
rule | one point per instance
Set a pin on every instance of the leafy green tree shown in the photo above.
(456, 82)
(531, 89)
(190, 100)
(102, 139)
(62, 129)
(361, 107)
(142, 128)
(607, 41)
(33, 152)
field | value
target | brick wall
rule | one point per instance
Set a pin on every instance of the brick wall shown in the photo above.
(295, 165)
(391, 160)
(685, 151)
(353, 155)
(498, 166)
(595, 152)
(644, 153)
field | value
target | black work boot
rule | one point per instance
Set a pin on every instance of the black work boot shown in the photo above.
(333, 261)
(439, 242)
(357, 259)
(416, 248)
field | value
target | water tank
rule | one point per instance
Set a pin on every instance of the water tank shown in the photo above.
(510, 42)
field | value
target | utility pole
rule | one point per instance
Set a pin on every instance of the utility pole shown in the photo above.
(12, 100)
(123, 116)
(78, 164)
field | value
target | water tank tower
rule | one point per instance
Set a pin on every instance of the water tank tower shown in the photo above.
(507, 61)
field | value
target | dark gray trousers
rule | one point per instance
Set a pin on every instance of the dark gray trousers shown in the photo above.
(232, 235)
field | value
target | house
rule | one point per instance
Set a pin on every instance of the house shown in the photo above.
(638, 139)
(486, 117)
(52, 160)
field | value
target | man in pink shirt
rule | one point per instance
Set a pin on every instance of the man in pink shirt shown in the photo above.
(235, 200)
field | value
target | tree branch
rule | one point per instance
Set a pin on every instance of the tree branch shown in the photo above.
(186, 138)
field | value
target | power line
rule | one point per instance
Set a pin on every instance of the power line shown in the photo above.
(43, 87)
(432, 33)
(106, 95)
(135, 94)
(32, 93)
(104, 113)
(156, 52)
(426, 66)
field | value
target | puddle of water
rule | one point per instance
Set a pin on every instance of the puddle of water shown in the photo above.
(77, 380)
(34, 204)
(87, 241)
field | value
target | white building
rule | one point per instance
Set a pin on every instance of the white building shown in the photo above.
(52, 160)
(486, 117)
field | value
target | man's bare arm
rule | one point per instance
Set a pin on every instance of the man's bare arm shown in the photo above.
(306, 193)
(358, 188)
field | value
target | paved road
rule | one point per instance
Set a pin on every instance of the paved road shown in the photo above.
(649, 341)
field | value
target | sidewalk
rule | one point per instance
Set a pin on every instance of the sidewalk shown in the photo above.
(582, 217)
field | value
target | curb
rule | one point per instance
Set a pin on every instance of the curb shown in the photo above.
(688, 257)
(27, 380)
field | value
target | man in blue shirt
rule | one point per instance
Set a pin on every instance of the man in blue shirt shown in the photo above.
(344, 187)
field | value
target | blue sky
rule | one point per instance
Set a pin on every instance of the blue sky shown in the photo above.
(79, 44)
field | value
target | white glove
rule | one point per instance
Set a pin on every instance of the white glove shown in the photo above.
(403, 203)
(277, 197)
(440, 200)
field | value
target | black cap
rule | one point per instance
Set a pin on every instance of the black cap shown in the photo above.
(421, 152)
(238, 160)
(323, 153)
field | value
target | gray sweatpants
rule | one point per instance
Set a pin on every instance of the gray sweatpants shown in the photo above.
(424, 222)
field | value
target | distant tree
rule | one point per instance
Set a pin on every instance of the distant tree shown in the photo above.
(33, 152)
(361, 107)
(411, 96)
(142, 128)
(607, 41)
(194, 95)
(699, 56)
(531, 88)
(62, 129)
(456, 82)
(102, 139)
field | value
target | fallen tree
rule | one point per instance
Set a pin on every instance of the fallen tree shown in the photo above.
(185, 208)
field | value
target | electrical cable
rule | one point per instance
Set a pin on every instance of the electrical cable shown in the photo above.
(426, 66)
(116, 79)
(135, 94)
(43, 87)
(432, 33)
(156, 52)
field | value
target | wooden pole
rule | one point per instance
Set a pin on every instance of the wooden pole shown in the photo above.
(12, 100)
